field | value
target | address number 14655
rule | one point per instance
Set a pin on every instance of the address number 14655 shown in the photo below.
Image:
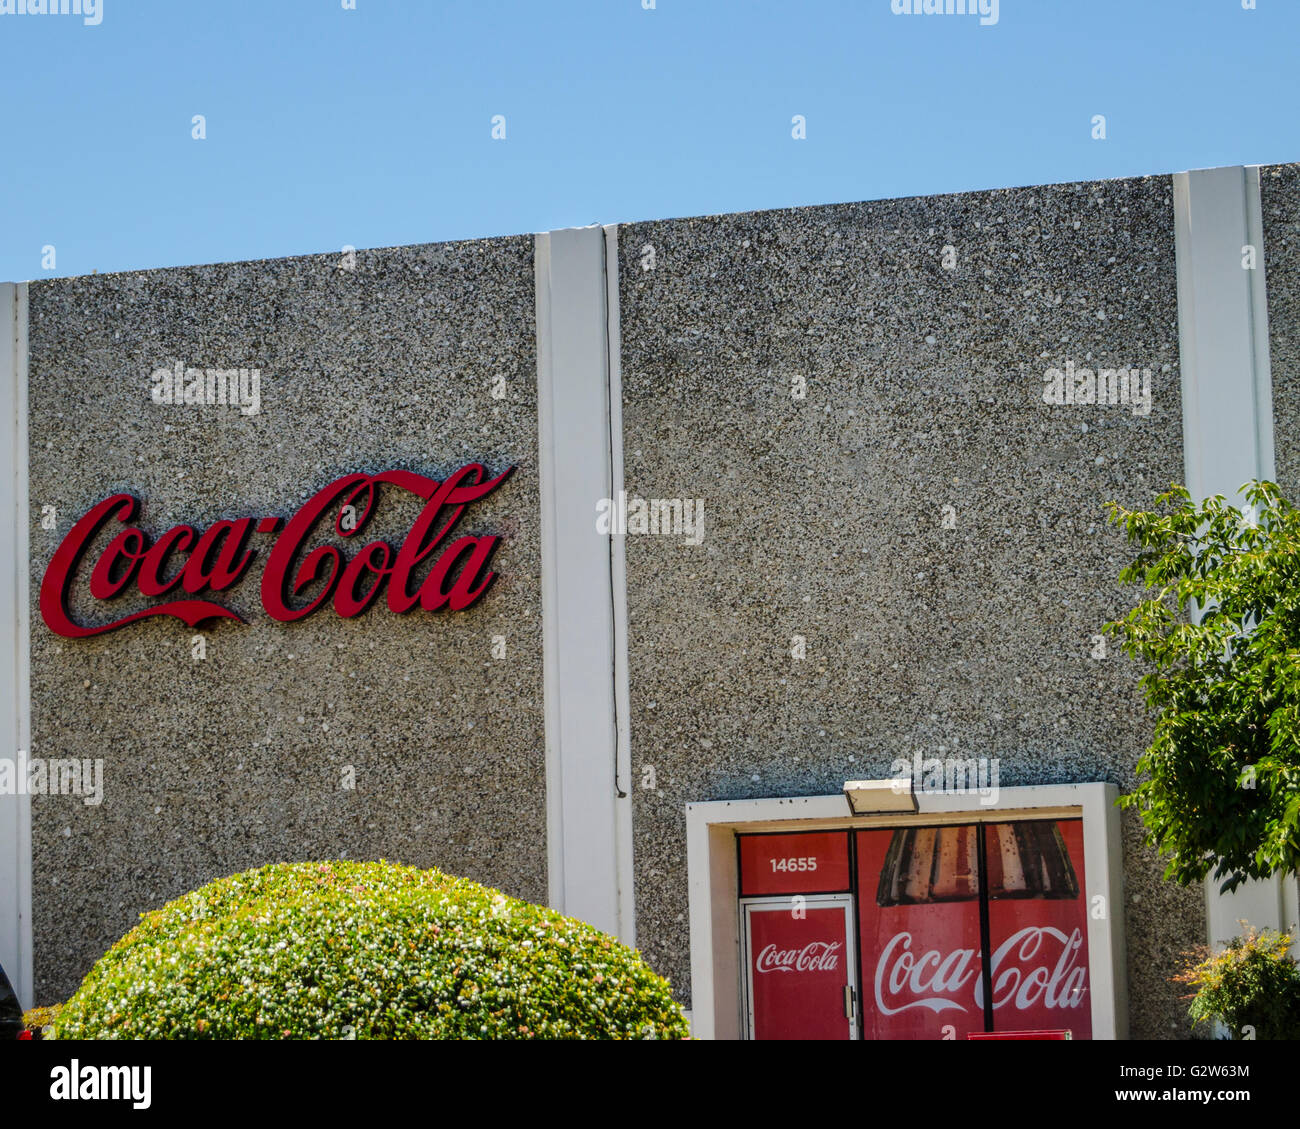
(809, 863)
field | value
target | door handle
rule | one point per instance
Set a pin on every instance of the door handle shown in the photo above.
(848, 1002)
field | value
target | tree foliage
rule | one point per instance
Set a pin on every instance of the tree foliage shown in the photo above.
(1219, 786)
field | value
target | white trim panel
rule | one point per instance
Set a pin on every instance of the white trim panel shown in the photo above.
(1223, 331)
(578, 592)
(15, 669)
(1227, 402)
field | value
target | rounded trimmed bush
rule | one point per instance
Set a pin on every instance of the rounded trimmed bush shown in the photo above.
(366, 950)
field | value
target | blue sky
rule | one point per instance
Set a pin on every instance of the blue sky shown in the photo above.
(372, 126)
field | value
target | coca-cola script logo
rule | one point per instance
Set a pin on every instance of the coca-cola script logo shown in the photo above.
(816, 956)
(218, 557)
(1031, 966)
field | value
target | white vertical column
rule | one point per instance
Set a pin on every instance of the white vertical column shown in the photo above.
(1227, 399)
(618, 582)
(584, 614)
(15, 673)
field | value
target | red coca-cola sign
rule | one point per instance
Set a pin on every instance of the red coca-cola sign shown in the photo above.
(816, 956)
(216, 559)
(1038, 926)
(1036, 969)
(922, 939)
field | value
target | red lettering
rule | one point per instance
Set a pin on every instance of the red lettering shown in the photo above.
(227, 539)
(151, 583)
(419, 543)
(219, 557)
(287, 545)
(463, 593)
(346, 601)
(128, 546)
(58, 579)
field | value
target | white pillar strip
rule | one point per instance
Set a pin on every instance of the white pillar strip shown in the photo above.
(15, 672)
(618, 582)
(587, 840)
(1227, 399)
(1223, 331)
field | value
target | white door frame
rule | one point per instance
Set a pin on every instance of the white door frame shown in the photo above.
(717, 992)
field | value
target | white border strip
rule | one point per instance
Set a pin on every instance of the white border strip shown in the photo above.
(1260, 352)
(578, 594)
(711, 829)
(618, 581)
(1227, 401)
(15, 668)
(550, 614)
(1222, 331)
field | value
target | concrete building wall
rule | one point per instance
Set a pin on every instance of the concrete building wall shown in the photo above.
(903, 545)
(1280, 198)
(239, 759)
(965, 631)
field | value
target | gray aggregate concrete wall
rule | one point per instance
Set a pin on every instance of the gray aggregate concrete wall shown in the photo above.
(825, 518)
(1280, 198)
(237, 760)
(855, 392)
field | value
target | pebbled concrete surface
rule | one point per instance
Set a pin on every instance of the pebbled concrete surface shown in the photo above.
(1280, 198)
(963, 632)
(237, 760)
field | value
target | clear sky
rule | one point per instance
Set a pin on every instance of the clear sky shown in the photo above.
(373, 127)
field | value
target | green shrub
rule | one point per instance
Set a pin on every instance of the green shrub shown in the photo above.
(366, 950)
(1252, 983)
(37, 1020)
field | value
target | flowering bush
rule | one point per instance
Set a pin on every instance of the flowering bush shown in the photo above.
(1252, 987)
(38, 1020)
(365, 950)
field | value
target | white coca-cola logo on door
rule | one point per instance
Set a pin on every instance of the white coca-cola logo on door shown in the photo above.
(816, 956)
(1022, 972)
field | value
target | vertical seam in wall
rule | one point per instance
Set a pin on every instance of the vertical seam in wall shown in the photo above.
(1290, 885)
(618, 595)
(22, 502)
(1262, 390)
(609, 313)
(551, 703)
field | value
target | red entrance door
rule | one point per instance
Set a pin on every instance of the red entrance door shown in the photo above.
(925, 903)
(800, 967)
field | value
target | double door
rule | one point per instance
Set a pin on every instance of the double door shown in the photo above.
(881, 933)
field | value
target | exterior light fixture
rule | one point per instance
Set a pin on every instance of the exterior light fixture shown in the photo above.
(867, 797)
